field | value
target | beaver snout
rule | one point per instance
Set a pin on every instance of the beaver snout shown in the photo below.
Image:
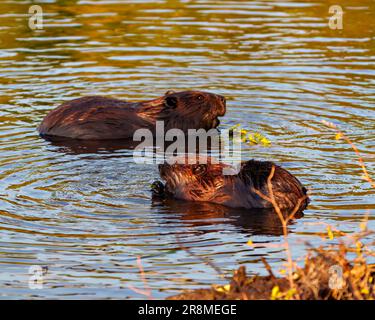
(222, 99)
(163, 169)
(221, 105)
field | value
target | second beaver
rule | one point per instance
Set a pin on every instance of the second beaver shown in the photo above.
(101, 118)
(206, 182)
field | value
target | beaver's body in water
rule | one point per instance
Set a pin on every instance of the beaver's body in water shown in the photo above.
(206, 182)
(101, 118)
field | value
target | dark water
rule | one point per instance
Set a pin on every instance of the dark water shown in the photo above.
(88, 216)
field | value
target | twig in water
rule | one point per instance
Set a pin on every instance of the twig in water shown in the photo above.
(147, 290)
(341, 135)
(204, 260)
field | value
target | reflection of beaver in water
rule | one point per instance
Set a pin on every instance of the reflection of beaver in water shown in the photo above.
(101, 118)
(206, 182)
(203, 214)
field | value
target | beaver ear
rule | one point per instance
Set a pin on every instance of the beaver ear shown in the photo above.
(169, 92)
(171, 102)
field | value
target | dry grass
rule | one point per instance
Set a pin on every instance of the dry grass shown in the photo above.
(328, 274)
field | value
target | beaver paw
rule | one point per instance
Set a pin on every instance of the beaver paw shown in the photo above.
(157, 189)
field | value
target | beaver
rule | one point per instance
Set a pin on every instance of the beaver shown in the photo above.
(102, 118)
(206, 182)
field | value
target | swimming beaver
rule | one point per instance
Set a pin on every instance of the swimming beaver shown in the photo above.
(101, 118)
(206, 182)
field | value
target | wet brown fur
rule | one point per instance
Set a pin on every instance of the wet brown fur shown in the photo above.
(101, 118)
(236, 191)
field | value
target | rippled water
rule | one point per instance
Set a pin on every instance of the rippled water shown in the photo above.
(87, 216)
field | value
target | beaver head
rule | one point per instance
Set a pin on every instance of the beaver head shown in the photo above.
(185, 110)
(206, 182)
(195, 182)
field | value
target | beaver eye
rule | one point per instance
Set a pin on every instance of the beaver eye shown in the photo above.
(200, 97)
(199, 169)
(171, 102)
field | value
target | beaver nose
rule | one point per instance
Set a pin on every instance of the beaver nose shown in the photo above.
(222, 105)
(163, 167)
